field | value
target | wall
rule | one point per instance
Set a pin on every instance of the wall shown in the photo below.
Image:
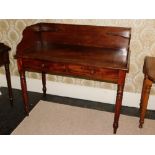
(142, 44)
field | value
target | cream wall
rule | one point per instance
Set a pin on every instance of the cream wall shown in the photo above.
(142, 44)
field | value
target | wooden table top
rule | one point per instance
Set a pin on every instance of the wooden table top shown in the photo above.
(90, 56)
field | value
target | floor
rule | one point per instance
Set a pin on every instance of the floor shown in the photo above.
(10, 116)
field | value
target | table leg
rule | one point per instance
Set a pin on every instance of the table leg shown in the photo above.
(144, 100)
(44, 83)
(23, 86)
(118, 103)
(142, 93)
(24, 92)
(9, 83)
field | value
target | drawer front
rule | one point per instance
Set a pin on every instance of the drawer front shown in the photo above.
(72, 70)
(94, 73)
(32, 65)
(42, 66)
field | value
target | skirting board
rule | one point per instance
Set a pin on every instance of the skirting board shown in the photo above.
(80, 92)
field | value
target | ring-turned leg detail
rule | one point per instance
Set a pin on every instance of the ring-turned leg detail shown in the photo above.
(118, 106)
(118, 103)
(142, 93)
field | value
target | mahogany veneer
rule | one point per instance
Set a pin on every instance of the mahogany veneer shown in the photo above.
(91, 52)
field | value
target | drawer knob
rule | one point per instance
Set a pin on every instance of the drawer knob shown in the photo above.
(92, 71)
(43, 65)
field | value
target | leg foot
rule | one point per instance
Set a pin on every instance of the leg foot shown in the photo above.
(115, 126)
(140, 125)
(11, 101)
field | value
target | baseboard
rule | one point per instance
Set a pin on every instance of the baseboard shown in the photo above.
(80, 92)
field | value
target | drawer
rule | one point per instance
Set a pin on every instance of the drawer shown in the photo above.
(93, 73)
(33, 65)
(83, 70)
(42, 66)
(57, 67)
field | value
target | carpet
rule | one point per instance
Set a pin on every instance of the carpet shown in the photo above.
(49, 118)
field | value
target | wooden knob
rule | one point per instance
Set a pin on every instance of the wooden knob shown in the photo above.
(92, 71)
(43, 65)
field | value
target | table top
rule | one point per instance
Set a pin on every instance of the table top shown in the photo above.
(90, 56)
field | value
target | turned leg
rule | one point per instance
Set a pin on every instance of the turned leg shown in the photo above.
(24, 92)
(142, 93)
(9, 83)
(44, 83)
(144, 100)
(23, 85)
(118, 103)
